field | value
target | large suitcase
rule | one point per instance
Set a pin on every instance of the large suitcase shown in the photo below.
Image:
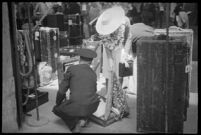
(49, 46)
(74, 28)
(161, 89)
(175, 32)
(55, 21)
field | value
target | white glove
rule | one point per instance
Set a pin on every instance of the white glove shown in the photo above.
(124, 58)
(126, 64)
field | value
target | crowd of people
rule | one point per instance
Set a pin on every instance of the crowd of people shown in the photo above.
(91, 10)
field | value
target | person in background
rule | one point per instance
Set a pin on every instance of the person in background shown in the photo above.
(25, 26)
(177, 9)
(139, 30)
(73, 8)
(85, 7)
(106, 5)
(133, 14)
(59, 10)
(161, 14)
(22, 13)
(50, 6)
(36, 19)
(136, 32)
(144, 6)
(183, 20)
(19, 17)
(83, 101)
(42, 8)
(181, 16)
(65, 7)
(94, 12)
(126, 6)
(85, 28)
(137, 5)
(23, 10)
(152, 9)
(191, 9)
(157, 17)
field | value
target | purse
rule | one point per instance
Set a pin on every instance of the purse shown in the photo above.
(126, 71)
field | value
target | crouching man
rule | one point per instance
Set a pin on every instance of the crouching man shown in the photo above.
(83, 101)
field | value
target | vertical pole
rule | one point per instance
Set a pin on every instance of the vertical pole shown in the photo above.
(166, 64)
(34, 61)
(109, 87)
(167, 20)
(101, 65)
(109, 96)
(15, 62)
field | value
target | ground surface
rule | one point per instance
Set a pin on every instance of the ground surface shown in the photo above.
(126, 125)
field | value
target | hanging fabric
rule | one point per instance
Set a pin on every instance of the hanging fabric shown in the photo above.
(119, 99)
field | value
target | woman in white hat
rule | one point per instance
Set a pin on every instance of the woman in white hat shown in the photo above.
(112, 27)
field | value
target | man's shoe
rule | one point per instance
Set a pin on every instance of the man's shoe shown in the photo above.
(84, 123)
(77, 128)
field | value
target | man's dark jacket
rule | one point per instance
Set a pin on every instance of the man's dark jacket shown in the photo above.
(81, 80)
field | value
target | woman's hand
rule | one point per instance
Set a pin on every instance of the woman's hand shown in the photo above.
(126, 64)
(124, 58)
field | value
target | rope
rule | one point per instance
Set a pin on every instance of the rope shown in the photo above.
(27, 98)
(27, 42)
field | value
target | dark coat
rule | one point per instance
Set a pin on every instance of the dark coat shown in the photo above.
(81, 80)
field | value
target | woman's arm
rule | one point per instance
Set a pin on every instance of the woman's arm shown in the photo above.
(128, 43)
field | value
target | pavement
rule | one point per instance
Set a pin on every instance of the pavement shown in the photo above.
(126, 125)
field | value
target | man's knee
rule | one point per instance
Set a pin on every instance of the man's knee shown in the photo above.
(56, 111)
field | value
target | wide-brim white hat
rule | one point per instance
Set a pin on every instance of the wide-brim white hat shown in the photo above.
(110, 20)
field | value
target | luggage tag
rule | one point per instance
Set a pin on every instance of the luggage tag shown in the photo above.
(36, 35)
(84, 7)
(55, 38)
(188, 68)
(70, 22)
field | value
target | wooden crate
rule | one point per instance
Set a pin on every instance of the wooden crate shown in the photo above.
(161, 89)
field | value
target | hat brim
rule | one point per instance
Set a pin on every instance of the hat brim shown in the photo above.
(117, 18)
(87, 53)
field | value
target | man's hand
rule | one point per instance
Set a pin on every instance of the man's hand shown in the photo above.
(60, 97)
